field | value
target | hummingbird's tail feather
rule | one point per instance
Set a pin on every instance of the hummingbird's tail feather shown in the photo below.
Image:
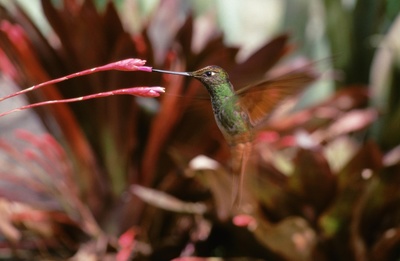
(240, 157)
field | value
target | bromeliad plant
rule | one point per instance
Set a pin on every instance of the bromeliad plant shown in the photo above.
(119, 142)
(154, 174)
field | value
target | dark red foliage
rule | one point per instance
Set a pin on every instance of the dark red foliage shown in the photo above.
(145, 179)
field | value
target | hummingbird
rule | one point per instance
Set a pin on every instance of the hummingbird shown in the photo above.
(239, 114)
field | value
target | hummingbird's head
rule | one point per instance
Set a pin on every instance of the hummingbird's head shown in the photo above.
(211, 76)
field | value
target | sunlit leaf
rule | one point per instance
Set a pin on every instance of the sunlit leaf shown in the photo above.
(167, 202)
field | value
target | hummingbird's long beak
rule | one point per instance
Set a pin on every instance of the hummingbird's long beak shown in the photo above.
(172, 72)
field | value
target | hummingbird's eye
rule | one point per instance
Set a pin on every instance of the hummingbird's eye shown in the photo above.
(209, 73)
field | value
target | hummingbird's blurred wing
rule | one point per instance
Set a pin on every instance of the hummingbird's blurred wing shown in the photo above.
(260, 100)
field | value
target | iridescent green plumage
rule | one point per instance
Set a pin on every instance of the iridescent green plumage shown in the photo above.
(239, 114)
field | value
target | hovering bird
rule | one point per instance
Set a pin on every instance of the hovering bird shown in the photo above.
(239, 114)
